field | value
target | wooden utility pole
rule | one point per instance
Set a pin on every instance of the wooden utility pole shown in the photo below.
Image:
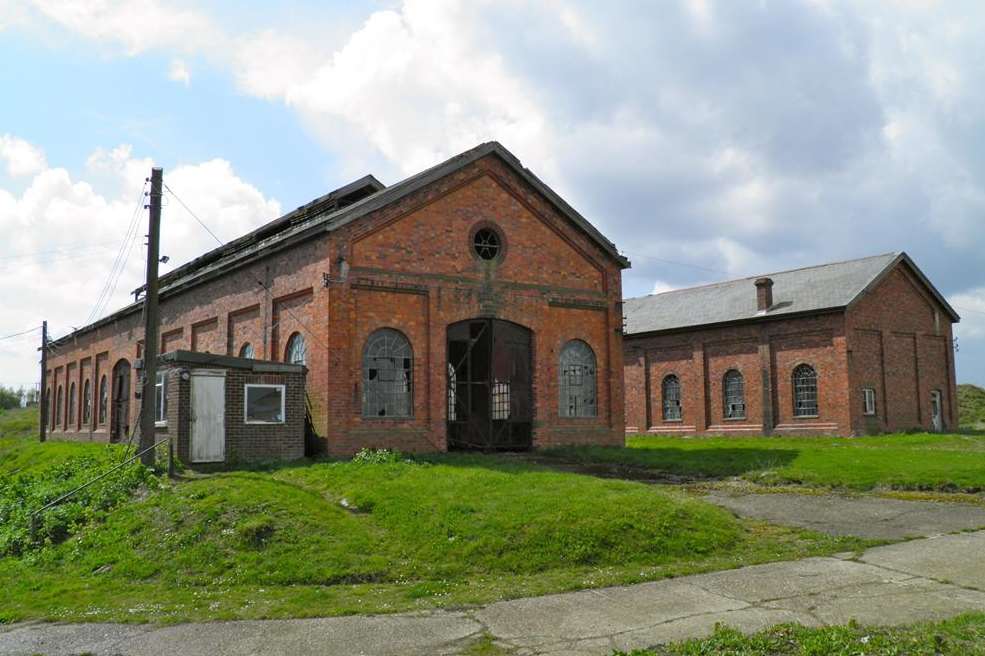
(148, 402)
(43, 394)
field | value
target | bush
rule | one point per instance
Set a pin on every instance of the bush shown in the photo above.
(377, 457)
(24, 529)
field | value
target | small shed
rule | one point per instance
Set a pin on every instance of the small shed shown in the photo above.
(223, 409)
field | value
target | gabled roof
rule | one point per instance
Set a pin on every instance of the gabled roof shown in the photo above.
(340, 208)
(319, 216)
(815, 289)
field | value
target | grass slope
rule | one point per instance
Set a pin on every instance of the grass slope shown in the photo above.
(908, 462)
(971, 406)
(961, 636)
(331, 538)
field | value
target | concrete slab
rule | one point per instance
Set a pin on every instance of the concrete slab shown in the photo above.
(896, 584)
(958, 559)
(866, 517)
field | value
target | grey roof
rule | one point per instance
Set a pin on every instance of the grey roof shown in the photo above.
(821, 288)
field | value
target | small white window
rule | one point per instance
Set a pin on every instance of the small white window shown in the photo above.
(161, 398)
(264, 404)
(868, 401)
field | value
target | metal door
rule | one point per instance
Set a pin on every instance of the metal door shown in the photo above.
(490, 396)
(936, 419)
(208, 416)
(120, 418)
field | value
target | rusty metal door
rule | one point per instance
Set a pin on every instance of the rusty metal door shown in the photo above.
(490, 395)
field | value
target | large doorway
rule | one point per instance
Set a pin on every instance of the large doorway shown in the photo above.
(120, 416)
(490, 396)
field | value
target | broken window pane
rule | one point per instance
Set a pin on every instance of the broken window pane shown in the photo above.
(387, 375)
(265, 404)
(578, 376)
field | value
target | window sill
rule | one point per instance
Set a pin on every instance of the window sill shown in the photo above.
(160, 424)
(869, 414)
(265, 423)
(806, 417)
(674, 421)
(742, 418)
(393, 418)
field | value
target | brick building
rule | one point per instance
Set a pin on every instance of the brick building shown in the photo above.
(847, 348)
(468, 306)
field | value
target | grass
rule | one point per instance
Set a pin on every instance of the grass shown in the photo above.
(331, 538)
(960, 636)
(930, 462)
(971, 406)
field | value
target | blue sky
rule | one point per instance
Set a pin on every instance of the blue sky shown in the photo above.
(708, 139)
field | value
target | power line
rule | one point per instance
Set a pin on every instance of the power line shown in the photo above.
(119, 262)
(194, 216)
(303, 323)
(31, 330)
(676, 263)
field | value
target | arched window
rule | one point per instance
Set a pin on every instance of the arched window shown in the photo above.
(247, 351)
(86, 403)
(71, 404)
(59, 406)
(103, 399)
(671, 389)
(388, 374)
(578, 374)
(734, 395)
(804, 391)
(296, 351)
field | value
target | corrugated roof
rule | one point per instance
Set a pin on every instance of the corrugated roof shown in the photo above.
(811, 289)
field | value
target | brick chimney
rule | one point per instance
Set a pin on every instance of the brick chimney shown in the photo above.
(764, 294)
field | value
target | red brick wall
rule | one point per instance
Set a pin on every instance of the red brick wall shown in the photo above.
(765, 353)
(900, 346)
(411, 269)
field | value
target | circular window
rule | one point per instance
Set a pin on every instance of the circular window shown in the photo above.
(486, 243)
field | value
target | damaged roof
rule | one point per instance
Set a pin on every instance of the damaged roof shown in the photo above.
(337, 209)
(822, 288)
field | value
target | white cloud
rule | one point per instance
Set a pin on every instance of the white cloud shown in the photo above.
(733, 137)
(970, 304)
(20, 157)
(178, 72)
(62, 235)
(137, 25)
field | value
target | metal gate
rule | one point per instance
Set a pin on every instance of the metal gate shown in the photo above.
(490, 396)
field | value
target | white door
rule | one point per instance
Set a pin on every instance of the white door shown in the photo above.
(935, 411)
(208, 417)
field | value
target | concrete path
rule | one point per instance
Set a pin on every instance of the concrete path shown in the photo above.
(923, 579)
(865, 517)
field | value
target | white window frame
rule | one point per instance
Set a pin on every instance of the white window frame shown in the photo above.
(283, 404)
(868, 401)
(161, 414)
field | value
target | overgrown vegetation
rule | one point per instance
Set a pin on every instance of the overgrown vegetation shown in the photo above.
(32, 475)
(922, 461)
(961, 636)
(329, 538)
(971, 406)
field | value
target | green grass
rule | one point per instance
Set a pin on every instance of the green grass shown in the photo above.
(924, 461)
(330, 538)
(961, 636)
(971, 406)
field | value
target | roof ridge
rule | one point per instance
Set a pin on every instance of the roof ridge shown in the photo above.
(764, 275)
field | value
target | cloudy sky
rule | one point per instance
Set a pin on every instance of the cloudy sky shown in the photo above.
(706, 139)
